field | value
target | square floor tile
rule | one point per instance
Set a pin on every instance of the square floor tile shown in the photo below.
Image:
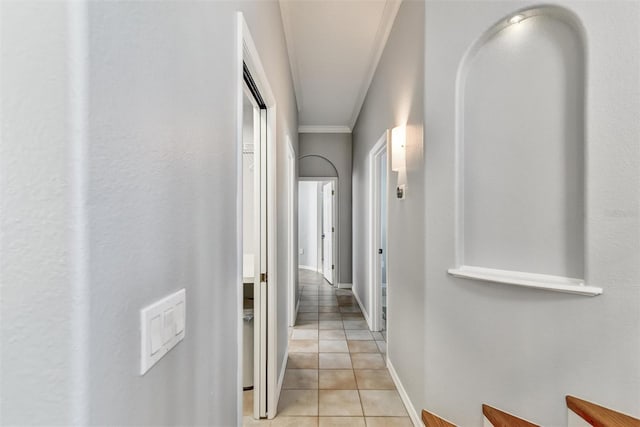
(332, 334)
(358, 335)
(349, 309)
(308, 316)
(368, 361)
(377, 336)
(300, 379)
(328, 309)
(306, 324)
(389, 422)
(298, 402)
(341, 422)
(330, 324)
(303, 346)
(374, 379)
(382, 346)
(363, 347)
(352, 316)
(337, 379)
(302, 361)
(330, 316)
(382, 403)
(280, 421)
(332, 346)
(355, 324)
(304, 334)
(339, 403)
(334, 361)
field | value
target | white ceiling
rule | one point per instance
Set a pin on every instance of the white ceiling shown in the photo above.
(334, 47)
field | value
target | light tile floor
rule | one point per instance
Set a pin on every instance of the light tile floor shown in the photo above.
(336, 373)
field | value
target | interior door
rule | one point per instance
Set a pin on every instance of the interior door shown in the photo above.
(328, 230)
(260, 287)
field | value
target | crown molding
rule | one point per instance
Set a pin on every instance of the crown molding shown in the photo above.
(324, 129)
(382, 35)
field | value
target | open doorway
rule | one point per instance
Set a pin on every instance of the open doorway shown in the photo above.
(317, 226)
(257, 330)
(378, 163)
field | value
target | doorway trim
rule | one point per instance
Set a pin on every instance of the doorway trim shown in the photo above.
(336, 222)
(291, 241)
(247, 53)
(375, 237)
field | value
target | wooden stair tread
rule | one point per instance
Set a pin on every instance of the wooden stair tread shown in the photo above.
(499, 418)
(599, 416)
(431, 420)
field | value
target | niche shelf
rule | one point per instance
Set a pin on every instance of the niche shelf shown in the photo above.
(520, 154)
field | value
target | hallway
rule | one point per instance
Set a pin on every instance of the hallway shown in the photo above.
(336, 373)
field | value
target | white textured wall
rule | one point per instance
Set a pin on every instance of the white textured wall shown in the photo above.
(37, 209)
(308, 223)
(159, 205)
(394, 99)
(458, 343)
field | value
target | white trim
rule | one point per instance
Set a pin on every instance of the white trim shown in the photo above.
(529, 280)
(375, 288)
(282, 372)
(382, 35)
(413, 414)
(309, 267)
(344, 285)
(291, 244)
(324, 129)
(364, 312)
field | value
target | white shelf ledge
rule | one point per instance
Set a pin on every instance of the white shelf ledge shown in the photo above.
(528, 280)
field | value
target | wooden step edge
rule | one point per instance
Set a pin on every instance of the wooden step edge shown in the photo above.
(499, 418)
(431, 420)
(599, 416)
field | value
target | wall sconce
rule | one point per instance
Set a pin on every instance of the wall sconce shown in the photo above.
(398, 158)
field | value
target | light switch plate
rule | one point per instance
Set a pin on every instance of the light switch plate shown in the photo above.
(162, 326)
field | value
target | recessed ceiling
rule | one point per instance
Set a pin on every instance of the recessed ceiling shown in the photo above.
(334, 47)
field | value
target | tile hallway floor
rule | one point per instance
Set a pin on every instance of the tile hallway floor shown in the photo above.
(336, 373)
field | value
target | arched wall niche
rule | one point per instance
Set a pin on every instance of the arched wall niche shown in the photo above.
(520, 123)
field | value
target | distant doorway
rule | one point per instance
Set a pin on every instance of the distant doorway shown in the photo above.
(378, 163)
(317, 226)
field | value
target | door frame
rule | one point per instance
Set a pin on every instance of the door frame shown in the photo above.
(265, 373)
(375, 237)
(291, 241)
(336, 222)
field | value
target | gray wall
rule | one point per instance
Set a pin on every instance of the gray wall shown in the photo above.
(141, 204)
(458, 343)
(336, 147)
(395, 98)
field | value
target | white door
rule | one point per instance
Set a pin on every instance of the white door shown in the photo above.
(328, 230)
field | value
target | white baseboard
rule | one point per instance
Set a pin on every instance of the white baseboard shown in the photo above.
(274, 412)
(415, 418)
(344, 285)
(308, 267)
(364, 312)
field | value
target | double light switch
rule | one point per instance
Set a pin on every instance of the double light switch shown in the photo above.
(162, 327)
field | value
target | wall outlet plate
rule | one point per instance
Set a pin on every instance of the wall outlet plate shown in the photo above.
(162, 326)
